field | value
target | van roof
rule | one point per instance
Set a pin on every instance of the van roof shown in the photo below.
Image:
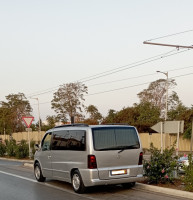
(91, 126)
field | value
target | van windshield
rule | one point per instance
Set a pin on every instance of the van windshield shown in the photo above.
(115, 138)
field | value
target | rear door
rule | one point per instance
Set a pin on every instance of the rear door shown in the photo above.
(117, 151)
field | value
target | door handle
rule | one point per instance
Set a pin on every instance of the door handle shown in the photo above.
(49, 157)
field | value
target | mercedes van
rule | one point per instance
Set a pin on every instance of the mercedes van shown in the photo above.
(86, 155)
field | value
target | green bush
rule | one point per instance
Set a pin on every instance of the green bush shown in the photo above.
(188, 176)
(22, 149)
(32, 146)
(2, 149)
(161, 166)
(6, 142)
(11, 148)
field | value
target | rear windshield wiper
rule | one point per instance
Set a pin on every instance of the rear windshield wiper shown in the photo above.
(107, 148)
(135, 146)
(121, 148)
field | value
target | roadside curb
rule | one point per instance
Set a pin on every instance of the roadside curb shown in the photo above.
(173, 192)
(17, 160)
(28, 165)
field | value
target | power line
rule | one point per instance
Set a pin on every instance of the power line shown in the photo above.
(42, 103)
(170, 35)
(118, 89)
(122, 79)
(124, 68)
(43, 91)
(131, 86)
(182, 75)
(129, 78)
(179, 68)
(135, 65)
(51, 89)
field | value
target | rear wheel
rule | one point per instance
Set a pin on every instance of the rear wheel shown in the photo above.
(128, 185)
(77, 182)
(38, 173)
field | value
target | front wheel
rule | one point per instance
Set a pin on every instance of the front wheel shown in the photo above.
(38, 173)
(77, 182)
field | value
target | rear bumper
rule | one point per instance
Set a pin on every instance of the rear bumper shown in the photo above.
(90, 177)
(95, 182)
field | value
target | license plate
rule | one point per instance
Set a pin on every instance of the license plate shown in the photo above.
(118, 172)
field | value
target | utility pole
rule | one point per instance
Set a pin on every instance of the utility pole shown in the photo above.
(168, 45)
(177, 46)
(38, 113)
(39, 129)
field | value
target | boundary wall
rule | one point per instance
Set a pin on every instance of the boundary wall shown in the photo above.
(146, 139)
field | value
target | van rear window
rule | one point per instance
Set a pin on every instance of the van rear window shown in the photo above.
(115, 138)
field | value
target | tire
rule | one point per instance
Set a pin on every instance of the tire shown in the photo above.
(77, 183)
(128, 185)
(38, 173)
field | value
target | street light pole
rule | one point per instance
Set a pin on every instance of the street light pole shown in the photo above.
(38, 113)
(166, 108)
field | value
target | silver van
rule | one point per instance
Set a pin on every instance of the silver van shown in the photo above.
(86, 155)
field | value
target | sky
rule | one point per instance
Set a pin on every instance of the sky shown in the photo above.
(44, 44)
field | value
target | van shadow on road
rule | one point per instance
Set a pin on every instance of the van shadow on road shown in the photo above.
(90, 190)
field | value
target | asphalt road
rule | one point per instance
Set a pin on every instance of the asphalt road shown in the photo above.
(18, 183)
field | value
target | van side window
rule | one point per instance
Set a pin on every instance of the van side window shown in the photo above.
(69, 140)
(46, 142)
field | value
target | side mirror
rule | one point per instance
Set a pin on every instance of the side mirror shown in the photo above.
(36, 146)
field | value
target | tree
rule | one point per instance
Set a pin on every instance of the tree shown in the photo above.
(173, 101)
(51, 120)
(50, 123)
(5, 123)
(68, 100)
(94, 114)
(156, 94)
(177, 112)
(148, 115)
(143, 116)
(127, 115)
(16, 106)
(183, 113)
(110, 118)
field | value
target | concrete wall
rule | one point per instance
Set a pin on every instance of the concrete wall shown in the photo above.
(35, 135)
(146, 139)
(168, 141)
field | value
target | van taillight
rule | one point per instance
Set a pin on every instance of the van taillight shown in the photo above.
(92, 164)
(140, 159)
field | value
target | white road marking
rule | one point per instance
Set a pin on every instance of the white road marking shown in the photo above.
(21, 177)
(48, 185)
